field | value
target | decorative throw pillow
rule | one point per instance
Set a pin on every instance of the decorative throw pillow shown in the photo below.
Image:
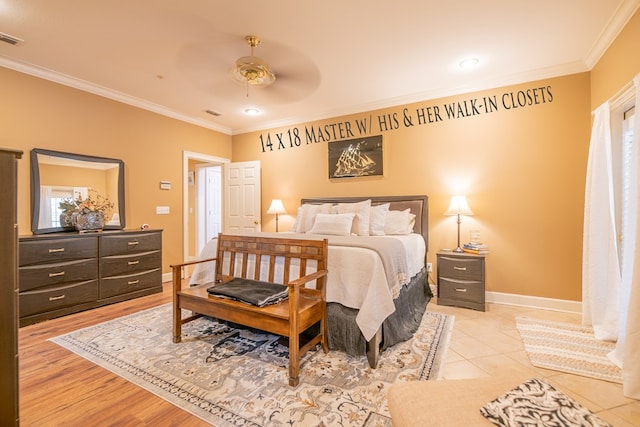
(535, 402)
(399, 222)
(377, 219)
(361, 220)
(334, 224)
(307, 215)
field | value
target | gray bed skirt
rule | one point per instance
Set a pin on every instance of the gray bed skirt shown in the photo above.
(344, 334)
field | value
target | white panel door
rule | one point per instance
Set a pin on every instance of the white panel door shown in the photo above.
(242, 197)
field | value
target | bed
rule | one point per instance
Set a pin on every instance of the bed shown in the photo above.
(374, 299)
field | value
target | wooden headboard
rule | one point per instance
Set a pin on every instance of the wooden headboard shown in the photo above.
(418, 205)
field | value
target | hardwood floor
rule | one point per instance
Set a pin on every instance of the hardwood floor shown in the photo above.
(59, 388)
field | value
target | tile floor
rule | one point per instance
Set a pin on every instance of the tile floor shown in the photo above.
(482, 343)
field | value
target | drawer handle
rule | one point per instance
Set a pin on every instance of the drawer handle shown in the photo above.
(461, 289)
(56, 274)
(460, 268)
(57, 298)
(56, 250)
(133, 262)
(133, 243)
(133, 282)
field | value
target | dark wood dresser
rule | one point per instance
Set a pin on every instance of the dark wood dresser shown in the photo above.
(63, 273)
(9, 407)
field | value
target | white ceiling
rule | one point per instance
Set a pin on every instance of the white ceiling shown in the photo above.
(330, 57)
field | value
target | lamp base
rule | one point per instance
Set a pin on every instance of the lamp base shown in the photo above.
(458, 250)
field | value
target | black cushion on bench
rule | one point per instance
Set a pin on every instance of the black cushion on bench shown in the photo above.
(252, 292)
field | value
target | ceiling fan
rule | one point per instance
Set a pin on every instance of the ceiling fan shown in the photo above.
(253, 70)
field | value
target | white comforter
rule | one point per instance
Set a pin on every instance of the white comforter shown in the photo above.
(356, 279)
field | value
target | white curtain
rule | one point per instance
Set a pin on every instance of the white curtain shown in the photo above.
(600, 266)
(628, 346)
(611, 294)
(44, 220)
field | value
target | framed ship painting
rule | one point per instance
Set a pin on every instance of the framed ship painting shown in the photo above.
(355, 157)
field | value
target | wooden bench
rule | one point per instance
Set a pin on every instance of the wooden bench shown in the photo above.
(286, 258)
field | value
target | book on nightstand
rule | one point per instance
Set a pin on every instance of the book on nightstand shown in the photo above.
(475, 248)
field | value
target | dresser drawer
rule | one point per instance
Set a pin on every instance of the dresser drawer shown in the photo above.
(130, 243)
(52, 298)
(118, 285)
(126, 264)
(56, 250)
(461, 268)
(38, 276)
(461, 290)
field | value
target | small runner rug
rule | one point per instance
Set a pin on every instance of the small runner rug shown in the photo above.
(568, 348)
(231, 377)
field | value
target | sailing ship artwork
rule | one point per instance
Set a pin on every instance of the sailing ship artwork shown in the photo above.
(356, 157)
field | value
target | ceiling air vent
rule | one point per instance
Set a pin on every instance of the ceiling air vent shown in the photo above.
(9, 39)
(213, 113)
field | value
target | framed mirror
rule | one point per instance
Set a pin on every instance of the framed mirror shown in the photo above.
(57, 176)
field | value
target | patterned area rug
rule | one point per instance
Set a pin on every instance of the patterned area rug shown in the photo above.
(568, 348)
(231, 377)
(538, 403)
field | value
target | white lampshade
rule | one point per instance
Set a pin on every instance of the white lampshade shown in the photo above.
(458, 206)
(276, 207)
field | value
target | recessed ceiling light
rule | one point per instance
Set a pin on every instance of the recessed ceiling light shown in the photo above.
(469, 63)
(251, 111)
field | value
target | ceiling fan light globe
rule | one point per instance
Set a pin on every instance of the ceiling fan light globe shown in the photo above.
(254, 71)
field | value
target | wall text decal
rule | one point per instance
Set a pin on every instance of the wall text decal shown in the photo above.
(404, 118)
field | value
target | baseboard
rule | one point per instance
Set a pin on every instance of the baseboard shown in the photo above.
(534, 302)
(167, 277)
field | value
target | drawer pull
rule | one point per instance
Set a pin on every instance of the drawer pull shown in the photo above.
(57, 298)
(56, 274)
(133, 243)
(133, 282)
(133, 262)
(460, 268)
(461, 290)
(56, 250)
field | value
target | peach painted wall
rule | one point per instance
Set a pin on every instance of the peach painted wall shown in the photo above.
(522, 169)
(36, 113)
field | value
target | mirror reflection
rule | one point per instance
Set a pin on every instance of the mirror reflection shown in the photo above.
(59, 178)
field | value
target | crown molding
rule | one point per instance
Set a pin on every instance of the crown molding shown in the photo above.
(620, 18)
(85, 86)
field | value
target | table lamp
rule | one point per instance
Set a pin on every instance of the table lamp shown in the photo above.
(276, 208)
(458, 206)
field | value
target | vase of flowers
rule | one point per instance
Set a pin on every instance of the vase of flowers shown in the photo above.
(90, 221)
(85, 214)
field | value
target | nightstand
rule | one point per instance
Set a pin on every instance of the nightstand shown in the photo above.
(461, 280)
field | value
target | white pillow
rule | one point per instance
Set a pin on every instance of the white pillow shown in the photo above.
(377, 219)
(307, 215)
(362, 211)
(334, 224)
(399, 222)
(297, 221)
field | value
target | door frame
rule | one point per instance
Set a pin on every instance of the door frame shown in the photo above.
(186, 156)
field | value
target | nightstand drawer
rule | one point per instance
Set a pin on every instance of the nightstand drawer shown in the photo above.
(461, 290)
(461, 268)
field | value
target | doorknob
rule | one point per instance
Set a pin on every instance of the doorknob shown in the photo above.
(256, 222)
